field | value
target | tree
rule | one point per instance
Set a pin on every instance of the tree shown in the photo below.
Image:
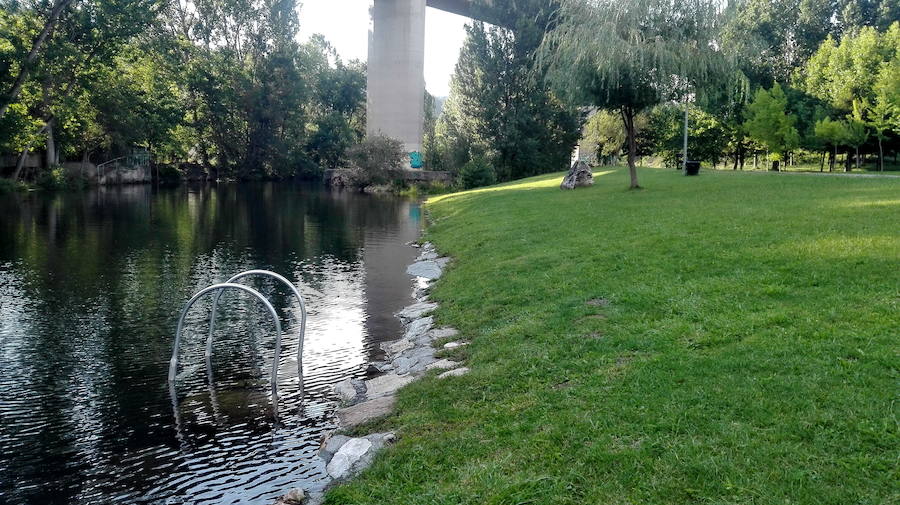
(24, 66)
(498, 111)
(844, 73)
(884, 114)
(769, 123)
(429, 142)
(377, 160)
(707, 136)
(857, 134)
(220, 82)
(775, 38)
(604, 133)
(832, 133)
(633, 54)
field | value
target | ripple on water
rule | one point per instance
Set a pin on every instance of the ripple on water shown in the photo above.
(90, 288)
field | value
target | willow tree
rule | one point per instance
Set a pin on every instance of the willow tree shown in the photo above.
(629, 55)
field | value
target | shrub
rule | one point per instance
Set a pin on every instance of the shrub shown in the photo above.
(52, 179)
(476, 173)
(59, 178)
(11, 186)
(377, 160)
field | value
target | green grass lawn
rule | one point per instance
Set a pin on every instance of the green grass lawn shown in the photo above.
(740, 346)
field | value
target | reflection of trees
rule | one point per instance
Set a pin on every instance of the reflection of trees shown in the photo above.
(103, 274)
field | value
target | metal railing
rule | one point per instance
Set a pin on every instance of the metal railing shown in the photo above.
(221, 288)
(133, 160)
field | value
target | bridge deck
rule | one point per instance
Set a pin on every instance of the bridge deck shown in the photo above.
(467, 8)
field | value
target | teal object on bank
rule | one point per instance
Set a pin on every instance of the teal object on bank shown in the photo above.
(415, 160)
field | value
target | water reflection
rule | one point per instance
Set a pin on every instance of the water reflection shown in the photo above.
(90, 289)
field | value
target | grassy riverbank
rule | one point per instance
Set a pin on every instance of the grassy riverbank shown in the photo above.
(729, 338)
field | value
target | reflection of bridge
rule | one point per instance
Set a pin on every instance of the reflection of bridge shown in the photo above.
(396, 82)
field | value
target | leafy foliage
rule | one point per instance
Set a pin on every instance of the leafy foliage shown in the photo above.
(631, 55)
(222, 83)
(707, 136)
(846, 72)
(476, 173)
(498, 111)
(769, 122)
(605, 132)
(377, 160)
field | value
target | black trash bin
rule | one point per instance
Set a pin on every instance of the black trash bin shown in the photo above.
(692, 168)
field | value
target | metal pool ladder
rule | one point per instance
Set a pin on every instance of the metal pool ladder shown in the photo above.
(218, 289)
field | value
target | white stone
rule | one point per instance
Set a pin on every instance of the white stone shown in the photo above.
(414, 360)
(426, 269)
(386, 385)
(397, 347)
(579, 175)
(366, 411)
(333, 445)
(415, 311)
(345, 390)
(418, 327)
(442, 262)
(347, 456)
(454, 345)
(454, 373)
(443, 364)
(421, 291)
(295, 496)
(440, 333)
(427, 255)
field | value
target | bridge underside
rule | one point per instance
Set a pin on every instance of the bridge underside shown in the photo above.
(461, 7)
(396, 81)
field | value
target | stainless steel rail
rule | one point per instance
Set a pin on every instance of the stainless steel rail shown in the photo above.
(173, 362)
(289, 284)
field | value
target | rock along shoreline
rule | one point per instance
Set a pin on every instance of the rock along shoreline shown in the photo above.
(407, 359)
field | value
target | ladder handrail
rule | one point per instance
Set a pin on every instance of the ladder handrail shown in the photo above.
(107, 162)
(302, 336)
(173, 362)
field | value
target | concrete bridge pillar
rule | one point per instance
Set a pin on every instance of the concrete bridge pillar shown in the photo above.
(396, 69)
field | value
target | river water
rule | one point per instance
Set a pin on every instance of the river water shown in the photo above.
(91, 286)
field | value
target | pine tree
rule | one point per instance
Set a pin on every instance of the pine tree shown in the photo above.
(769, 123)
(497, 110)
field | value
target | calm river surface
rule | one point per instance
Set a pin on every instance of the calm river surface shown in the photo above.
(91, 286)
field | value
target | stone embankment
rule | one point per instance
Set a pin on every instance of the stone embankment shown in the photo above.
(406, 360)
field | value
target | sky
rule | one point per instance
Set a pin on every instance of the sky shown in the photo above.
(345, 23)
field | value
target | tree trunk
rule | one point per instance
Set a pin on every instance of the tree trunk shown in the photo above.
(20, 163)
(628, 119)
(857, 157)
(847, 161)
(775, 165)
(880, 156)
(684, 152)
(25, 68)
(50, 158)
(85, 159)
(822, 162)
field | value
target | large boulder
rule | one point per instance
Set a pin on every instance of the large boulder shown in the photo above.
(579, 175)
